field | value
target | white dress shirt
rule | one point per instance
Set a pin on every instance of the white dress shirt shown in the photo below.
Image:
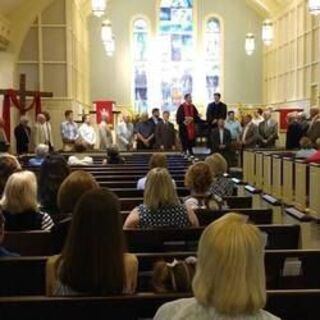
(88, 134)
(125, 135)
(221, 135)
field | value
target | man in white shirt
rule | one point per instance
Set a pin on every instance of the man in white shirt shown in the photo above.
(125, 134)
(41, 132)
(87, 133)
(258, 118)
(105, 134)
(69, 131)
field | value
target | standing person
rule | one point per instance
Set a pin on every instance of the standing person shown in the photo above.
(249, 135)
(22, 134)
(4, 143)
(234, 126)
(258, 118)
(49, 130)
(69, 131)
(105, 134)
(145, 133)
(156, 120)
(221, 139)
(125, 134)
(216, 110)
(303, 121)
(165, 133)
(87, 132)
(294, 132)
(40, 131)
(187, 116)
(314, 128)
(268, 131)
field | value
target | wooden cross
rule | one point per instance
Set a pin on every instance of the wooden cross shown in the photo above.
(23, 93)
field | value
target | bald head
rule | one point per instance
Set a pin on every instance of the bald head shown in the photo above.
(41, 118)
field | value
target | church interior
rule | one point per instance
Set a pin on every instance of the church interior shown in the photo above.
(182, 136)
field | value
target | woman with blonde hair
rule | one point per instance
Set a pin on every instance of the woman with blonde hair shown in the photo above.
(20, 206)
(230, 277)
(161, 207)
(221, 185)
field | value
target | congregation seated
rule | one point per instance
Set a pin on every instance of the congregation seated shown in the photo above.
(161, 207)
(199, 180)
(176, 276)
(80, 159)
(315, 157)
(230, 278)
(20, 206)
(53, 171)
(113, 156)
(3, 251)
(41, 151)
(221, 185)
(157, 160)
(94, 261)
(8, 165)
(306, 148)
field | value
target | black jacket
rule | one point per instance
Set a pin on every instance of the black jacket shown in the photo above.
(22, 135)
(216, 111)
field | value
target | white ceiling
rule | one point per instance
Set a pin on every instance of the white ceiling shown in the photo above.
(8, 6)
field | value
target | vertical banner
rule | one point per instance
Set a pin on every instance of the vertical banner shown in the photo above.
(284, 117)
(104, 109)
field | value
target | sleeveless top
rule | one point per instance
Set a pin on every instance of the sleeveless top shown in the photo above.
(209, 201)
(174, 216)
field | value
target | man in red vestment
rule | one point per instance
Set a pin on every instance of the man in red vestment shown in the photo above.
(187, 117)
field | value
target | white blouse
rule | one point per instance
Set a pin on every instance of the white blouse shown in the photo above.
(190, 309)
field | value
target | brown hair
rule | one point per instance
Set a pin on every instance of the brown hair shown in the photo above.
(218, 164)
(67, 113)
(92, 259)
(305, 143)
(80, 146)
(158, 160)
(173, 277)
(72, 188)
(198, 177)
(8, 165)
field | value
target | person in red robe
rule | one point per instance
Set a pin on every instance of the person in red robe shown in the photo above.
(187, 117)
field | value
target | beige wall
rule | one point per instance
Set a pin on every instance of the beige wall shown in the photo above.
(112, 77)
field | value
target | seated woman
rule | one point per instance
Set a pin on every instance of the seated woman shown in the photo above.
(8, 165)
(157, 160)
(199, 180)
(221, 185)
(94, 261)
(113, 156)
(53, 171)
(161, 207)
(80, 159)
(230, 278)
(20, 206)
(174, 277)
(41, 151)
(315, 157)
(306, 148)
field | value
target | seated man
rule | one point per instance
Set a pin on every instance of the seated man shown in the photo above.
(145, 131)
(42, 150)
(4, 252)
(80, 159)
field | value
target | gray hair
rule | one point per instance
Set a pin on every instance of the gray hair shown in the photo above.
(42, 150)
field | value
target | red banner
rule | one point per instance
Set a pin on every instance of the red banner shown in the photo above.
(11, 98)
(284, 117)
(104, 109)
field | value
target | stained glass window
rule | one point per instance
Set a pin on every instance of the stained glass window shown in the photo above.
(213, 56)
(140, 50)
(176, 51)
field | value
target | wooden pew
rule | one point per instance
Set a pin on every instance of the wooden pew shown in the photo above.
(134, 193)
(41, 243)
(301, 201)
(259, 169)
(288, 181)
(277, 176)
(267, 173)
(23, 276)
(128, 204)
(248, 166)
(286, 304)
(130, 184)
(314, 190)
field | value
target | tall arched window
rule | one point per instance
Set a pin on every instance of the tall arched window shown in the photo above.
(176, 51)
(213, 49)
(140, 51)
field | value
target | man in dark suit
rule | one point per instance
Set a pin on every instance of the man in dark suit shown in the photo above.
(249, 134)
(22, 134)
(165, 134)
(268, 131)
(314, 127)
(154, 121)
(294, 132)
(216, 110)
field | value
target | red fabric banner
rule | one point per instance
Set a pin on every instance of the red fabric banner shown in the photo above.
(104, 108)
(189, 112)
(11, 97)
(284, 117)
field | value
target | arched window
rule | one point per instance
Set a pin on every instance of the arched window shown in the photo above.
(140, 51)
(176, 51)
(213, 49)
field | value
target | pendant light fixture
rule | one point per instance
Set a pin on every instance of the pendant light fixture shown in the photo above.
(250, 44)
(267, 32)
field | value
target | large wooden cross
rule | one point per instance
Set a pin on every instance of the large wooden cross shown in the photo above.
(23, 93)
